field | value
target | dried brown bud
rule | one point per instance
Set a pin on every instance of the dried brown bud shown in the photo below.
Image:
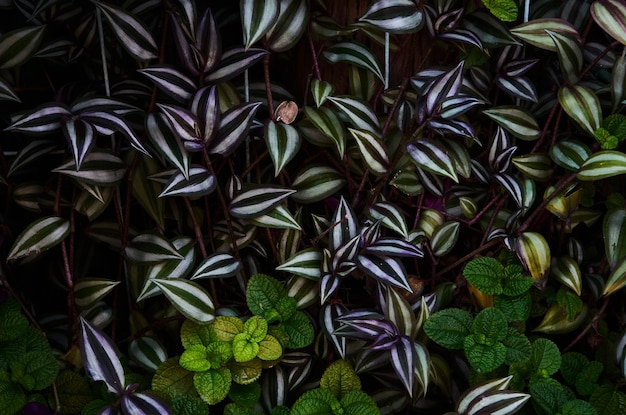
(286, 112)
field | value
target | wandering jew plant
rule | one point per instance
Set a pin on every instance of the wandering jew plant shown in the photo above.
(294, 207)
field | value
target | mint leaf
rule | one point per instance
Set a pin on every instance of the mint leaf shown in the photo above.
(570, 302)
(244, 350)
(12, 397)
(227, 327)
(514, 282)
(505, 10)
(255, 328)
(483, 357)
(572, 363)
(35, 370)
(234, 409)
(340, 378)
(547, 397)
(173, 380)
(515, 308)
(608, 401)
(269, 348)
(189, 405)
(266, 298)
(485, 274)
(299, 329)
(587, 379)
(607, 140)
(357, 402)
(12, 325)
(245, 395)
(315, 402)
(212, 385)
(449, 327)
(73, 391)
(193, 333)
(518, 347)
(491, 323)
(195, 358)
(545, 356)
(616, 125)
(245, 373)
(578, 407)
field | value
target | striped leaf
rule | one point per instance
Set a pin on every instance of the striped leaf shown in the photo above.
(189, 298)
(535, 166)
(98, 168)
(206, 105)
(513, 187)
(565, 270)
(199, 183)
(402, 356)
(258, 200)
(491, 31)
(535, 32)
(289, 240)
(354, 53)
(534, 253)
(498, 402)
(218, 265)
(92, 206)
(234, 62)
(17, 46)
(447, 85)
(102, 104)
(320, 91)
(359, 113)
(616, 279)
(304, 290)
(329, 322)
(431, 156)
(147, 352)
(327, 121)
(399, 312)
(88, 291)
(345, 226)
(277, 218)
(6, 92)
(208, 41)
(43, 119)
(171, 268)
(166, 143)
(109, 122)
(394, 16)
(457, 105)
(151, 248)
(233, 128)
(570, 154)
(461, 157)
(394, 247)
(618, 82)
(603, 164)
(100, 357)
(257, 18)
(516, 120)
(363, 83)
(283, 143)
(146, 191)
(422, 366)
(444, 238)
(610, 15)
(570, 53)
(328, 285)
(316, 182)
(292, 21)
(305, 263)
(183, 123)
(373, 151)
(582, 105)
(80, 136)
(614, 231)
(475, 393)
(32, 152)
(408, 182)
(130, 31)
(39, 236)
(171, 81)
(391, 217)
(384, 269)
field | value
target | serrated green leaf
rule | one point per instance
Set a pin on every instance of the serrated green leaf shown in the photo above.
(545, 356)
(449, 327)
(587, 379)
(299, 329)
(515, 308)
(263, 296)
(340, 378)
(269, 348)
(213, 385)
(578, 407)
(13, 397)
(245, 373)
(195, 359)
(491, 323)
(608, 400)
(244, 349)
(483, 357)
(518, 348)
(172, 380)
(485, 274)
(505, 10)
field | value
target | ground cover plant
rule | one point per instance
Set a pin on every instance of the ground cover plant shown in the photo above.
(305, 207)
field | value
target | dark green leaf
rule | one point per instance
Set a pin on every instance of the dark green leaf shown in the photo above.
(449, 327)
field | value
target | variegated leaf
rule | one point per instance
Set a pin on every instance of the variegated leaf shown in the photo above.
(304, 290)
(316, 182)
(6, 92)
(277, 218)
(206, 105)
(147, 352)
(17, 46)
(100, 357)
(88, 291)
(292, 21)
(98, 168)
(394, 16)
(199, 183)
(535, 32)
(461, 157)
(582, 105)
(327, 121)
(533, 252)
(408, 182)
(283, 143)
(184, 124)
(219, 265)
(81, 138)
(498, 402)
(402, 360)
(399, 312)
(614, 230)
(603, 164)
(344, 227)
(43, 119)
(373, 151)
(536, 166)
(233, 128)
(570, 154)
(422, 369)
(610, 15)
(305, 263)
(448, 85)
(431, 156)
(444, 238)
(189, 298)
(359, 113)
(474, 393)
(328, 284)
(354, 53)
(394, 247)
(384, 269)
(39, 236)
(258, 200)
(171, 268)
(513, 187)
(320, 91)
(171, 81)
(92, 205)
(130, 31)
(565, 270)
(391, 217)
(234, 62)
(151, 248)
(570, 52)
(516, 120)
(166, 143)
(33, 151)
(257, 18)
(110, 122)
(616, 279)
(329, 322)
(491, 31)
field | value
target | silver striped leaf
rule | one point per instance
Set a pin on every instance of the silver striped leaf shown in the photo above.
(570, 154)
(320, 91)
(394, 16)
(582, 105)
(402, 358)
(505, 402)
(345, 225)
(39, 236)
(199, 183)
(603, 164)
(304, 290)
(446, 86)
(218, 265)
(234, 62)
(206, 105)
(109, 122)
(399, 312)
(316, 182)
(329, 322)
(566, 271)
(535, 32)
(354, 53)
(431, 156)
(444, 238)
(81, 137)
(43, 119)
(359, 113)
(327, 121)
(283, 143)
(277, 218)
(17, 46)
(98, 168)
(189, 298)
(516, 120)
(570, 53)
(328, 285)
(233, 128)
(33, 151)
(614, 231)
(373, 151)
(88, 291)
(151, 248)
(610, 15)
(144, 404)
(147, 352)
(258, 200)
(384, 269)
(474, 393)
(394, 247)
(6, 92)
(257, 18)
(306, 263)
(171, 81)
(100, 357)
(166, 142)
(292, 21)
(391, 217)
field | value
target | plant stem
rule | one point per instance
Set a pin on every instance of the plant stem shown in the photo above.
(591, 324)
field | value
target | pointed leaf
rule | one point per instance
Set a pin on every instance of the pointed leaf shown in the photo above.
(320, 91)
(570, 154)
(603, 164)
(206, 105)
(166, 143)
(45, 118)
(534, 254)
(19, 45)
(235, 62)
(359, 113)
(189, 298)
(290, 25)
(98, 168)
(316, 182)
(384, 269)
(498, 402)
(258, 200)
(219, 265)
(257, 18)
(150, 248)
(429, 155)
(100, 357)
(354, 53)
(39, 236)
(570, 52)
(306, 263)
(148, 352)
(373, 151)
(6, 92)
(610, 15)
(475, 393)
(614, 227)
(516, 120)
(88, 291)
(111, 122)
(582, 105)
(283, 143)
(29, 154)
(144, 404)
(171, 81)
(277, 218)
(391, 217)
(233, 128)
(199, 183)
(444, 238)
(448, 85)
(394, 16)
(535, 32)
(171, 268)
(327, 121)
(80, 135)
(402, 360)
(565, 270)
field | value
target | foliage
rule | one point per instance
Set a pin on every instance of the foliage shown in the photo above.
(292, 206)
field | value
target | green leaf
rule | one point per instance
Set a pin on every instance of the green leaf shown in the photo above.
(244, 350)
(193, 333)
(516, 120)
(606, 140)
(505, 10)
(340, 379)
(299, 329)
(485, 273)
(491, 323)
(219, 353)
(545, 356)
(316, 182)
(570, 302)
(316, 402)
(449, 327)
(245, 373)
(615, 124)
(570, 53)
(73, 391)
(357, 402)
(194, 358)
(245, 395)
(39, 236)
(518, 348)
(327, 121)
(578, 407)
(547, 397)
(608, 401)
(188, 405)
(533, 252)
(587, 378)
(146, 192)
(255, 328)
(269, 348)
(17, 46)
(582, 105)
(483, 357)
(212, 385)
(172, 380)
(12, 325)
(12, 397)
(263, 295)
(572, 364)
(34, 370)
(515, 308)
(227, 327)
(514, 282)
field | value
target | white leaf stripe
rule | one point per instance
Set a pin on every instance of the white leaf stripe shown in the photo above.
(345, 225)
(570, 53)
(100, 357)
(328, 122)
(316, 182)
(394, 247)
(148, 352)
(199, 183)
(151, 248)
(391, 217)
(330, 322)
(277, 218)
(45, 118)
(328, 285)
(172, 268)
(205, 104)
(513, 187)
(478, 390)
(19, 45)
(257, 17)
(446, 86)
(520, 87)
(39, 236)
(354, 53)
(184, 124)
(283, 142)
(582, 105)
(6, 92)
(114, 122)
(305, 263)
(402, 360)
(89, 291)
(99, 168)
(320, 91)
(103, 104)
(257, 201)
(603, 164)
(535, 31)
(144, 404)
(422, 365)
(189, 298)
(359, 113)
(444, 238)
(233, 128)
(234, 62)
(130, 31)
(385, 269)
(220, 265)
(498, 403)
(31, 152)
(570, 154)
(372, 150)
(290, 25)
(398, 311)
(429, 155)
(394, 16)
(166, 143)
(304, 290)
(171, 81)
(80, 134)
(516, 120)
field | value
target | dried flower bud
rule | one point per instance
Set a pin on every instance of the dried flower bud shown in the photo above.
(286, 112)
